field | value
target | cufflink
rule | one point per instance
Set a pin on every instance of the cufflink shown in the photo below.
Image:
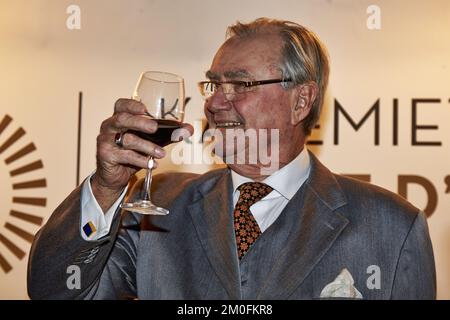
(89, 229)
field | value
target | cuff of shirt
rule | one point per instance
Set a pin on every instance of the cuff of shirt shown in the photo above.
(94, 223)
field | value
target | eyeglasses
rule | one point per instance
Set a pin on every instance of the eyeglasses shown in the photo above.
(233, 90)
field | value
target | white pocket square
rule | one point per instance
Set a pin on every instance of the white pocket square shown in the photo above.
(341, 287)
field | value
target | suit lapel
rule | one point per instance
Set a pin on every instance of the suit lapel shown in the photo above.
(211, 216)
(316, 225)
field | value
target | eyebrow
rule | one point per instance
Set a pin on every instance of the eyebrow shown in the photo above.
(211, 75)
(237, 74)
(228, 74)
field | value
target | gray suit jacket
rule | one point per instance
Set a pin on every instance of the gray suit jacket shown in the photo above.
(332, 223)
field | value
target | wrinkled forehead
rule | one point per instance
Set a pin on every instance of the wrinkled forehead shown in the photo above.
(247, 57)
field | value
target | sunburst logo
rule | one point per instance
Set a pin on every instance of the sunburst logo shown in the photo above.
(21, 190)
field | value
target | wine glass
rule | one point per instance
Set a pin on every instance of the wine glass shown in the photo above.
(163, 95)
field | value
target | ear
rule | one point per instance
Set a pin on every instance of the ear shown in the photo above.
(303, 98)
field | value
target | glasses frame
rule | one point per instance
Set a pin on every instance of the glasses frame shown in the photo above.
(245, 84)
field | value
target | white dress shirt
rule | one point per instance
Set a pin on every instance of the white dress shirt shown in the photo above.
(285, 183)
(92, 214)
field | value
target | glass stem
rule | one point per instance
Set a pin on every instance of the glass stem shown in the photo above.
(148, 180)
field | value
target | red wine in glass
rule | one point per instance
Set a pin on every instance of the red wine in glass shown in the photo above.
(163, 136)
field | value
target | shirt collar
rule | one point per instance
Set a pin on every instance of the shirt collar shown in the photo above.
(286, 181)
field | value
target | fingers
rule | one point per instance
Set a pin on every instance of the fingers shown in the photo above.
(145, 147)
(129, 114)
(189, 128)
(182, 133)
(132, 158)
(134, 151)
(129, 106)
(121, 122)
(114, 164)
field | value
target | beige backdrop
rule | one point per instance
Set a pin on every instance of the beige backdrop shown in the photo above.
(43, 66)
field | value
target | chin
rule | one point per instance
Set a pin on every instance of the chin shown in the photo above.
(224, 151)
(232, 155)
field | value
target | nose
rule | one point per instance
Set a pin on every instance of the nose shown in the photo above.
(218, 102)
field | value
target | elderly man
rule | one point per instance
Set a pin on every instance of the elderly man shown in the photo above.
(297, 232)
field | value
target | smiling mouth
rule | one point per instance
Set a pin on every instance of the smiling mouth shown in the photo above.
(229, 124)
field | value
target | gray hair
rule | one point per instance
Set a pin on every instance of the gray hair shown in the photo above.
(304, 57)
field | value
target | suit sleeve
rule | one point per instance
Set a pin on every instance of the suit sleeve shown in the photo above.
(415, 276)
(106, 266)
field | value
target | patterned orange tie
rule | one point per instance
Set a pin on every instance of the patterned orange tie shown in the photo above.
(245, 226)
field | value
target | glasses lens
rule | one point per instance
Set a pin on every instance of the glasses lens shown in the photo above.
(241, 88)
(202, 87)
(208, 89)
